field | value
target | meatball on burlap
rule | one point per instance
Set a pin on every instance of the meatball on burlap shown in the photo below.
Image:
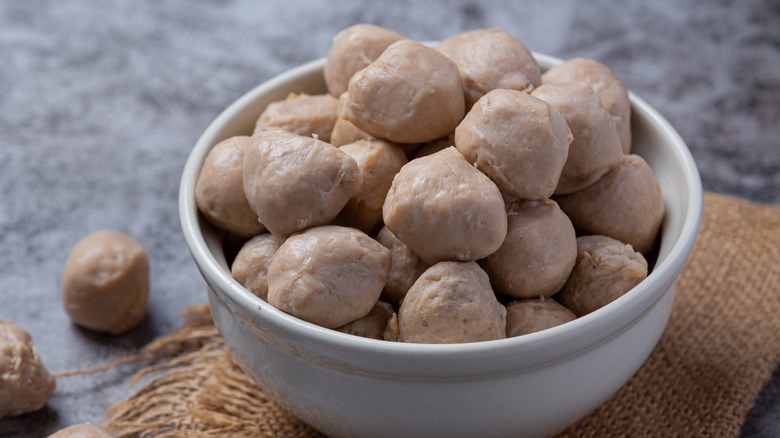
(83, 430)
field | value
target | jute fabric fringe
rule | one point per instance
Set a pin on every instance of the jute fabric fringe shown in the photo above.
(720, 347)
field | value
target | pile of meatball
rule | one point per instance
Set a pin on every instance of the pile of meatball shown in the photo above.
(442, 194)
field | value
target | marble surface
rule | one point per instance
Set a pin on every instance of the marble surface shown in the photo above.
(100, 103)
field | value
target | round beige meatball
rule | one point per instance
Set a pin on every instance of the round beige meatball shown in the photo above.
(538, 253)
(353, 49)
(294, 182)
(445, 209)
(302, 114)
(606, 269)
(410, 94)
(406, 268)
(451, 303)
(612, 92)
(328, 275)
(24, 382)
(379, 161)
(373, 325)
(250, 267)
(219, 191)
(105, 282)
(344, 131)
(83, 430)
(534, 315)
(489, 59)
(596, 146)
(625, 204)
(517, 140)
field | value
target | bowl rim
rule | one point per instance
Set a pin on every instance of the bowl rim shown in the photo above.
(552, 344)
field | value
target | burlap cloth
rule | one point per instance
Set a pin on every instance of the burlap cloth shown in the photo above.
(720, 347)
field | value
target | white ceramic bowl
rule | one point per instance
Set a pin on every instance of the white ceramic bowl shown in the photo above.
(534, 385)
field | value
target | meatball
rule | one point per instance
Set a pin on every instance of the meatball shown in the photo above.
(105, 282)
(344, 131)
(83, 430)
(353, 49)
(596, 146)
(406, 268)
(250, 268)
(294, 182)
(410, 94)
(606, 269)
(445, 209)
(625, 204)
(328, 275)
(302, 114)
(219, 192)
(372, 325)
(517, 140)
(611, 91)
(490, 59)
(379, 161)
(24, 382)
(538, 253)
(534, 315)
(450, 303)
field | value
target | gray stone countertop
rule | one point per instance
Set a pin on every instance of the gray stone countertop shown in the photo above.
(101, 102)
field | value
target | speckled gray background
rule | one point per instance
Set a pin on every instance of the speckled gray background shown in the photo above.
(101, 101)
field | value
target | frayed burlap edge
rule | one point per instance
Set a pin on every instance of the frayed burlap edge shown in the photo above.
(719, 349)
(199, 391)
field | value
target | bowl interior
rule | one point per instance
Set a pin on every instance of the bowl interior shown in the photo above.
(653, 138)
